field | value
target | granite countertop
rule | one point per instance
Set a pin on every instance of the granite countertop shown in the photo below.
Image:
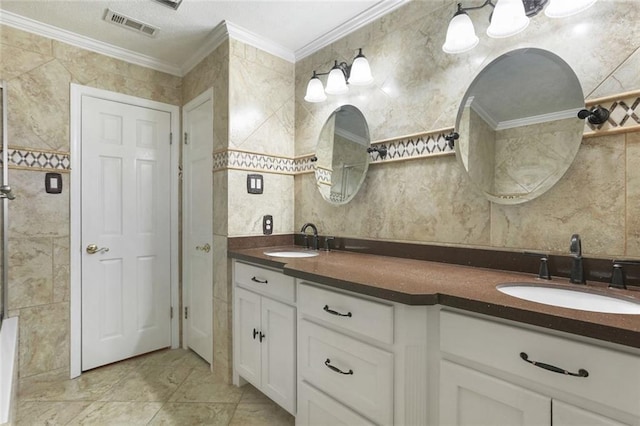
(416, 282)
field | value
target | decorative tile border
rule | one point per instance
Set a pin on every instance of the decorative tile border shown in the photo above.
(624, 117)
(33, 159)
(242, 160)
(624, 110)
(420, 145)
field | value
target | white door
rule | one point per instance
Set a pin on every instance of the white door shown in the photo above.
(198, 225)
(468, 397)
(126, 276)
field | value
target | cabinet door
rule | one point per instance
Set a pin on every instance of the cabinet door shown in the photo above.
(247, 334)
(317, 409)
(569, 415)
(468, 397)
(278, 350)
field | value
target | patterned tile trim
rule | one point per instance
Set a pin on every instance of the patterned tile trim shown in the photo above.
(624, 110)
(414, 146)
(241, 160)
(32, 159)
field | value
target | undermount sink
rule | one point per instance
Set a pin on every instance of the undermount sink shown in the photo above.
(291, 253)
(582, 299)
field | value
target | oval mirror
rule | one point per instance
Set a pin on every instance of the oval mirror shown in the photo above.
(518, 127)
(342, 157)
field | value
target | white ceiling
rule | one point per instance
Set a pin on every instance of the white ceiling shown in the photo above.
(290, 29)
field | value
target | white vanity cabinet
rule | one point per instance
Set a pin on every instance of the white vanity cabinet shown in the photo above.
(494, 373)
(361, 360)
(264, 332)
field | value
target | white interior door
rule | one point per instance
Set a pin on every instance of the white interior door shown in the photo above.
(198, 225)
(125, 213)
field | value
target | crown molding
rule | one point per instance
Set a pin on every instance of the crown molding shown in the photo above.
(350, 26)
(252, 39)
(55, 33)
(217, 36)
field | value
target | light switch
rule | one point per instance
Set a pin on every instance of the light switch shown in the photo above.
(254, 184)
(53, 183)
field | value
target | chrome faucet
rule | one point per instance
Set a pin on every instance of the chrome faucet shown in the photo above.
(577, 272)
(314, 243)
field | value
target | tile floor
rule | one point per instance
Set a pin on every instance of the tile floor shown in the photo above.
(168, 387)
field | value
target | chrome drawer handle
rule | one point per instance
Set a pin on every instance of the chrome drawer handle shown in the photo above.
(336, 369)
(258, 280)
(332, 312)
(581, 372)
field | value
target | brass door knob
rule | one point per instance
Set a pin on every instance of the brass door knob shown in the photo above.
(93, 249)
(205, 248)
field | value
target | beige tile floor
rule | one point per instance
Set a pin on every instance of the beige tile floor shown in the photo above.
(169, 387)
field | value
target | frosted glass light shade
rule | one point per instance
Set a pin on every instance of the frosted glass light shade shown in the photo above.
(509, 18)
(461, 35)
(360, 72)
(315, 91)
(336, 84)
(564, 8)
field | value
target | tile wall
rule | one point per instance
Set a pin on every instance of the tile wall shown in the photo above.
(418, 89)
(39, 71)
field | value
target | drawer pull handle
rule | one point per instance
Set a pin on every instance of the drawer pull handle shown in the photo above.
(581, 372)
(336, 369)
(258, 280)
(255, 333)
(332, 312)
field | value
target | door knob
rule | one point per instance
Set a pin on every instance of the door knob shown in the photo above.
(205, 248)
(93, 249)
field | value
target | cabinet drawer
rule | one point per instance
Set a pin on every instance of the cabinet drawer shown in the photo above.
(371, 319)
(613, 377)
(317, 409)
(265, 281)
(355, 374)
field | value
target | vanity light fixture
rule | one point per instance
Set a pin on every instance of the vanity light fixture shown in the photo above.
(509, 17)
(358, 74)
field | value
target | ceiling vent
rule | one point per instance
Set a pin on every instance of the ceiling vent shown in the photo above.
(173, 4)
(130, 23)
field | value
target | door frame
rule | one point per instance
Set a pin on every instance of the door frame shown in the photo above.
(75, 248)
(203, 97)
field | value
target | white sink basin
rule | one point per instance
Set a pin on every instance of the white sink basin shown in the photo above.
(583, 300)
(292, 253)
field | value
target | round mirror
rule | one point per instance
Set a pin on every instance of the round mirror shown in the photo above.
(518, 126)
(342, 157)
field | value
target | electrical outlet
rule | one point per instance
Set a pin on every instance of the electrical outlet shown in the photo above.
(267, 224)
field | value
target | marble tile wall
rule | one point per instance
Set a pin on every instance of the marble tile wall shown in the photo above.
(38, 72)
(418, 88)
(253, 128)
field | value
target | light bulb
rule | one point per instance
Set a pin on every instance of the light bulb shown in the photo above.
(509, 18)
(336, 84)
(564, 8)
(360, 71)
(461, 35)
(315, 91)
